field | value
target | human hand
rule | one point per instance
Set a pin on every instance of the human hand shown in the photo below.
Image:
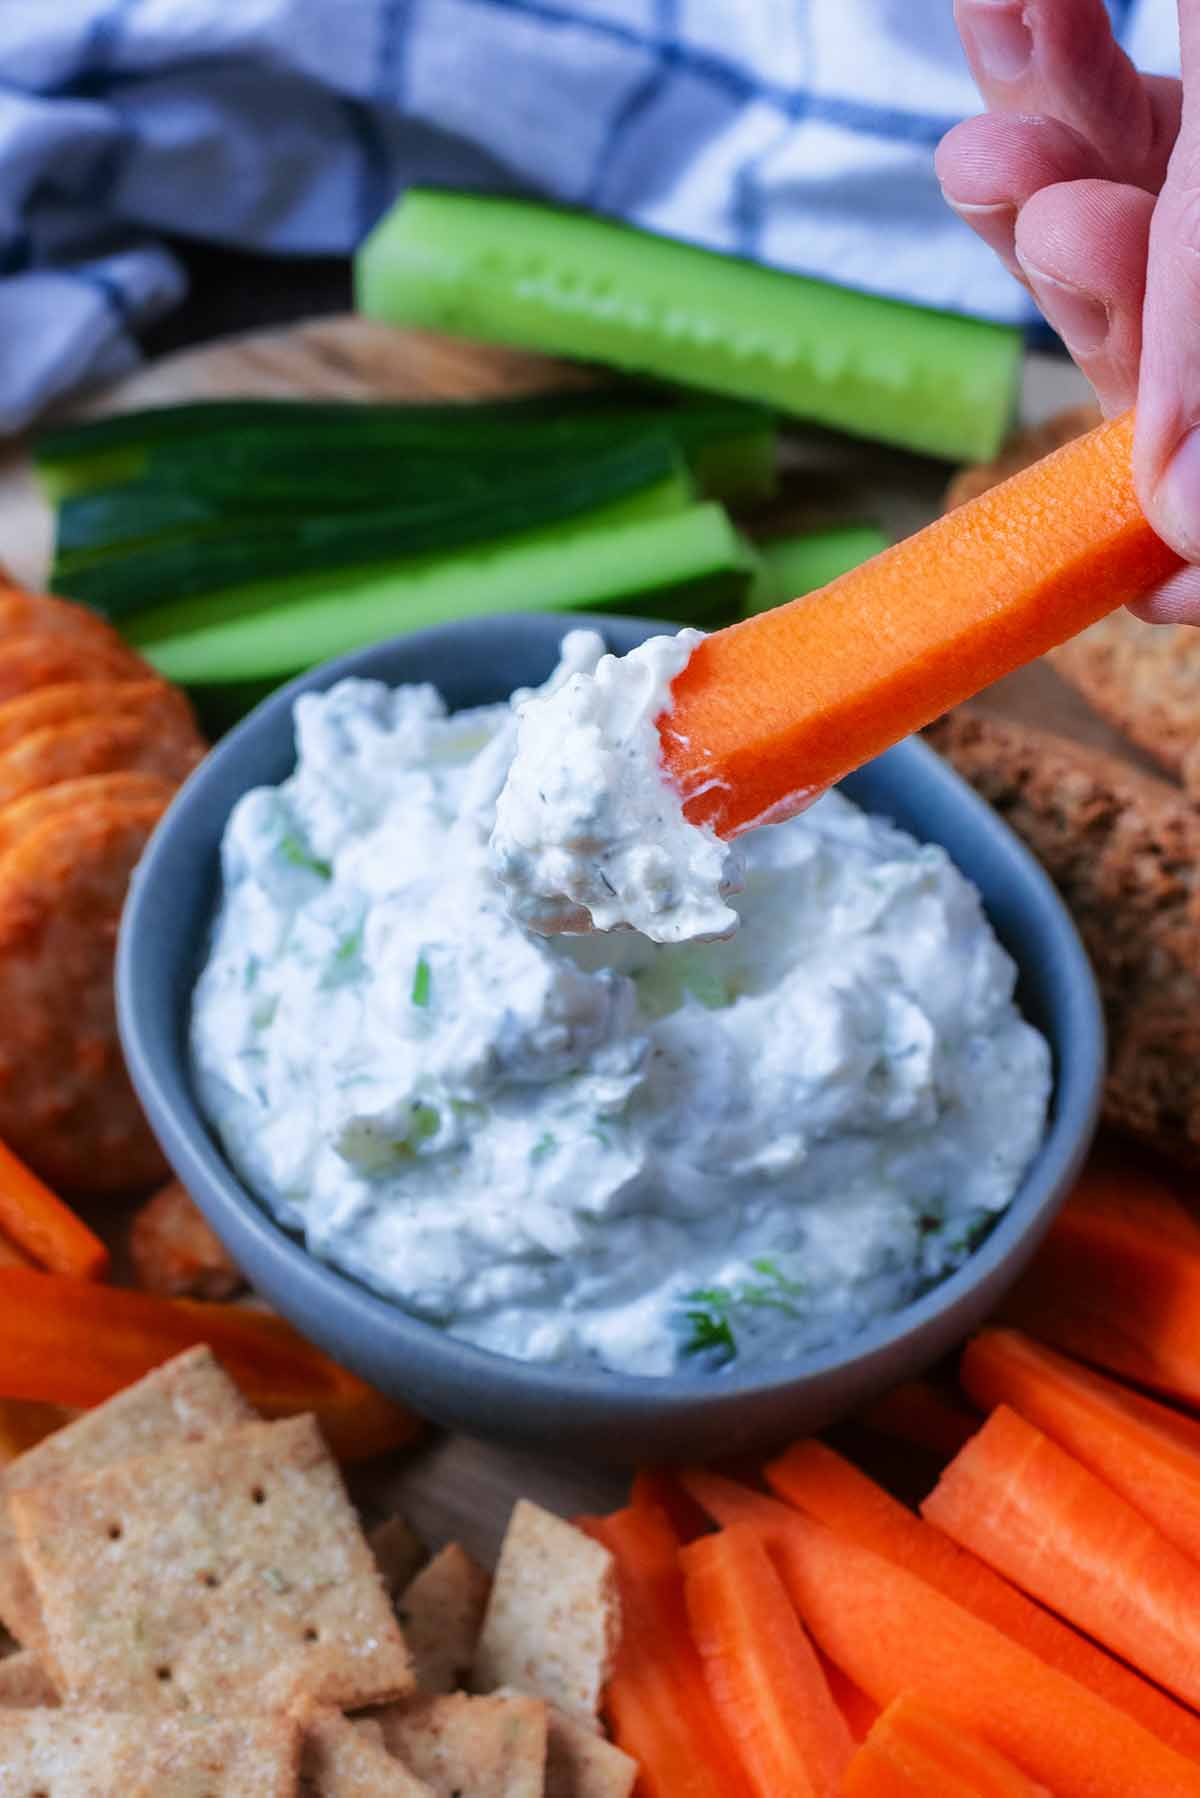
(1084, 177)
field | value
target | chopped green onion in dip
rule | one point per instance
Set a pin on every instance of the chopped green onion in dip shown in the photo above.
(603, 1150)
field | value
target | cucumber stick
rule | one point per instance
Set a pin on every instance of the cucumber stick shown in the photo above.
(122, 577)
(241, 452)
(792, 566)
(183, 617)
(688, 565)
(511, 271)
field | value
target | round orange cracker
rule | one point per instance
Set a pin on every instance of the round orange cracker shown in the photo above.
(22, 613)
(23, 816)
(66, 1104)
(40, 659)
(62, 702)
(97, 744)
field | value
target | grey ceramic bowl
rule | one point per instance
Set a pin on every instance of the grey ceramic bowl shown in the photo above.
(592, 1415)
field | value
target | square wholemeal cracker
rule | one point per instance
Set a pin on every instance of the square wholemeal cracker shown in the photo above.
(224, 1575)
(110, 1754)
(471, 1747)
(440, 1612)
(341, 1759)
(25, 1684)
(184, 1400)
(398, 1550)
(580, 1763)
(553, 1621)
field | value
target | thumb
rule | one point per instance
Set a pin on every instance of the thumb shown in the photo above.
(1167, 444)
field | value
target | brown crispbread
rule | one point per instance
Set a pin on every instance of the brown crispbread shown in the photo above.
(341, 1759)
(440, 1612)
(185, 1400)
(1124, 850)
(109, 1754)
(465, 1747)
(224, 1575)
(553, 1619)
(1144, 679)
(25, 1684)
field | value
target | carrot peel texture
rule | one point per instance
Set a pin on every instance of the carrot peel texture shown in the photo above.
(784, 704)
(764, 1677)
(1040, 1517)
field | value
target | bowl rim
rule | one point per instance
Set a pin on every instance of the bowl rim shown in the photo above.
(200, 1162)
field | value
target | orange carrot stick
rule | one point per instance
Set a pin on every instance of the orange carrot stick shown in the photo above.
(837, 1494)
(1117, 1279)
(859, 1711)
(914, 1752)
(1038, 1516)
(765, 1680)
(657, 1488)
(785, 703)
(658, 1702)
(72, 1342)
(891, 1633)
(48, 1231)
(920, 1413)
(1143, 1450)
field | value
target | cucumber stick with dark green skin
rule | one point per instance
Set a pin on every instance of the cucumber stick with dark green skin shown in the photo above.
(122, 576)
(513, 271)
(247, 452)
(689, 565)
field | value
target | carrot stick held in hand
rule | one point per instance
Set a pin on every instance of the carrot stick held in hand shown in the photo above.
(770, 711)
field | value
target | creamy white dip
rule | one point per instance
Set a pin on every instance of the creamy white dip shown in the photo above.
(603, 1150)
(589, 834)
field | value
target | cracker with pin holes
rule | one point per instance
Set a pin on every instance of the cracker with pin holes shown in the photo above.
(341, 1759)
(440, 1612)
(108, 1754)
(553, 1620)
(218, 1576)
(464, 1747)
(184, 1400)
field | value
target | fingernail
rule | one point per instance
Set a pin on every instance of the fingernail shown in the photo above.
(1177, 497)
(996, 224)
(1080, 319)
(1001, 40)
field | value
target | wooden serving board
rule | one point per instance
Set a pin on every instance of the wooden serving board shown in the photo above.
(453, 1487)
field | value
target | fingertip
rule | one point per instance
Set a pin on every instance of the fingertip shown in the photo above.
(1172, 503)
(1176, 601)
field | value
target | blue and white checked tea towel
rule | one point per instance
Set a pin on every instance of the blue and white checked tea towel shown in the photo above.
(799, 132)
